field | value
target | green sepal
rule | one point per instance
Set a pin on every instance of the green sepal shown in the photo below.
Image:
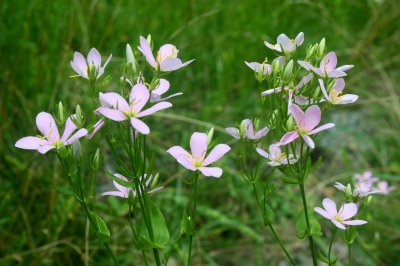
(268, 214)
(102, 231)
(187, 226)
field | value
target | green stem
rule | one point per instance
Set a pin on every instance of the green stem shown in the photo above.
(349, 254)
(193, 200)
(310, 238)
(270, 226)
(330, 246)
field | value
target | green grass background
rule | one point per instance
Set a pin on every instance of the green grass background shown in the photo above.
(40, 226)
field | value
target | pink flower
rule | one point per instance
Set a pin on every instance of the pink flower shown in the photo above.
(384, 188)
(286, 45)
(162, 88)
(360, 189)
(327, 67)
(197, 160)
(336, 95)
(339, 218)
(305, 123)
(81, 65)
(275, 156)
(116, 108)
(265, 69)
(246, 131)
(123, 192)
(166, 59)
(50, 138)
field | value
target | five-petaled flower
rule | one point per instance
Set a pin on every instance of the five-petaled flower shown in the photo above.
(83, 67)
(305, 123)
(50, 138)
(115, 107)
(246, 131)
(335, 95)
(197, 160)
(275, 155)
(123, 192)
(327, 67)
(339, 218)
(285, 44)
(166, 59)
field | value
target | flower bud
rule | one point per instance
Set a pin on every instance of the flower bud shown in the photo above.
(242, 128)
(93, 72)
(60, 117)
(348, 193)
(311, 51)
(95, 162)
(149, 40)
(287, 74)
(321, 48)
(130, 57)
(154, 182)
(210, 135)
(290, 124)
(78, 118)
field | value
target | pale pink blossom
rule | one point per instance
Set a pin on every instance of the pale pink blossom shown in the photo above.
(306, 123)
(275, 155)
(263, 68)
(285, 44)
(335, 95)
(327, 67)
(123, 192)
(167, 57)
(246, 131)
(384, 188)
(339, 218)
(302, 82)
(160, 89)
(81, 65)
(197, 159)
(116, 108)
(361, 189)
(50, 138)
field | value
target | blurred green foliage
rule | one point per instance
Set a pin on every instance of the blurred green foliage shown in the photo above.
(39, 225)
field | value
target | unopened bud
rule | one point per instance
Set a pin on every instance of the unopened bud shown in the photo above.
(154, 182)
(287, 74)
(348, 193)
(60, 117)
(321, 48)
(210, 135)
(93, 72)
(78, 118)
(290, 124)
(130, 57)
(96, 160)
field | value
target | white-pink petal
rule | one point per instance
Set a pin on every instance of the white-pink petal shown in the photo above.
(139, 126)
(198, 144)
(217, 153)
(211, 171)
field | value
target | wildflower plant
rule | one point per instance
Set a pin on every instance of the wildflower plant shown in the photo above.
(297, 92)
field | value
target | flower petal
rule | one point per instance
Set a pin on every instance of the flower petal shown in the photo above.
(261, 133)
(112, 114)
(273, 47)
(234, 132)
(45, 148)
(330, 207)
(310, 143)
(47, 126)
(118, 186)
(348, 211)
(289, 137)
(69, 128)
(344, 68)
(94, 57)
(355, 222)
(79, 134)
(170, 64)
(339, 225)
(146, 51)
(328, 63)
(211, 171)
(186, 162)
(198, 144)
(79, 64)
(163, 86)
(140, 126)
(336, 73)
(177, 151)
(322, 86)
(322, 212)
(30, 143)
(312, 117)
(271, 91)
(217, 153)
(262, 152)
(114, 100)
(348, 98)
(138, 97)
(299, 39)
(285, 43)
(116, 194)
(321, 128)
(155, 108)
(297, 114)
(96, 128)
(304, 64)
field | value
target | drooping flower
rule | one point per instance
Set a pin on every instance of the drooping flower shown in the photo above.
(246, 131)
(327, 67)
(81, 65)
(160, 89)
(305, 125)
(50, 138)
(275, 155)
(116, 108)
(123, 192)
(335, 95)
(264, 69)
(167, 57)
(339, 218)
(197, 160)
(285, 44)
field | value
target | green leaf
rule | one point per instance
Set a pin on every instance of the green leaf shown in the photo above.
(160, 229)
(302, 229)
(323, 257)
(268, 214)
(187, 226)
(290, 180)
(127, 184)
(102, 231)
